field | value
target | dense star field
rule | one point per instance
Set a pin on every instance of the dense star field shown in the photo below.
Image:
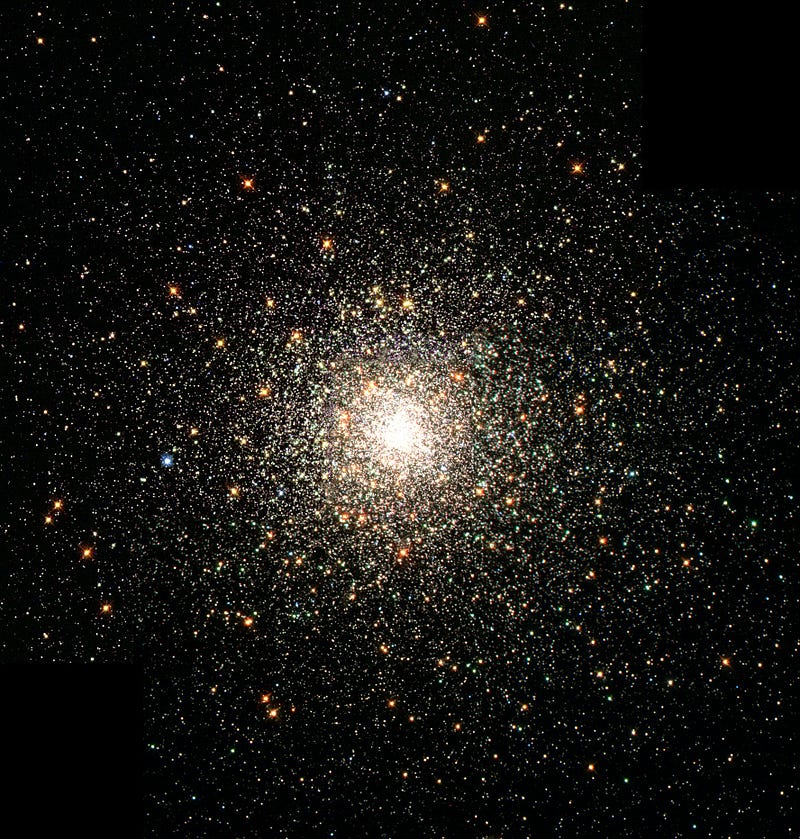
(436, 472)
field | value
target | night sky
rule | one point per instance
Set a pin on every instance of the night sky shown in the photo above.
(434, 472)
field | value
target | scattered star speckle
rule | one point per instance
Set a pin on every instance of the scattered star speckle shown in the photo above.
(437, 473)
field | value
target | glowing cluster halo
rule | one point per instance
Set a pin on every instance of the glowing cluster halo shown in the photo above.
(400, 432)
(393, 440)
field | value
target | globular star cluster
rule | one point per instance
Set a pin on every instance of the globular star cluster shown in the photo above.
(436, 474)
